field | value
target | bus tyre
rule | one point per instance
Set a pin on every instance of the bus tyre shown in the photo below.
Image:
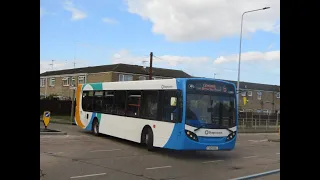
(95, 127)
(149, 140)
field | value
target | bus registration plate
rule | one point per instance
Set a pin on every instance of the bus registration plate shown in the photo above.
(212, 148)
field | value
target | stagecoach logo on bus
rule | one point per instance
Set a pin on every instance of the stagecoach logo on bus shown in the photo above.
(211, 132)
(165, 87)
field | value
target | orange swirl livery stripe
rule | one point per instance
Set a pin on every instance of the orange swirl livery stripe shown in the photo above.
(78, 97)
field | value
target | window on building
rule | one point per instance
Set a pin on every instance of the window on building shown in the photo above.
(278, 95)
(133, 103)
(66, 81)
(149, 105)
(87, 100)
(73, 81)
(42, 82)
(125, 77)
(142, 78)
(243, 93)
(249, 93)
(81, 80)
(52, 81)
(266, 111)
(108, 101)
(120, 103)
(259, 95)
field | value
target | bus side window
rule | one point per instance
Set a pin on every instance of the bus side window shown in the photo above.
(97, 101)
(119, 107)
(107, 103)
(149, 105)
(133, 103)
(170, 113)
(87, 97)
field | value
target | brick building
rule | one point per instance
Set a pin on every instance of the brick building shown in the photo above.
(260, 97)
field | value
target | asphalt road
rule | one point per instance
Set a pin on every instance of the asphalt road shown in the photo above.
(80, 155)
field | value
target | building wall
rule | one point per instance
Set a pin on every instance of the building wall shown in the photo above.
(253, 104)
(99, 77)
(58, 88)
(269, 101)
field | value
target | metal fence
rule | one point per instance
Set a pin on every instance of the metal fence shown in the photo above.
(259, 121)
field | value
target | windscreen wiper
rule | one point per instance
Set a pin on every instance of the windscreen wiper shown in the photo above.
(201, 126)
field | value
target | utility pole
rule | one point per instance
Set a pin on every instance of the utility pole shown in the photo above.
(150, 68)
(74, 86)
(73, 100)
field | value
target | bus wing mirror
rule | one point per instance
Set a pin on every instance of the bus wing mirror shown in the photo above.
(173, 101)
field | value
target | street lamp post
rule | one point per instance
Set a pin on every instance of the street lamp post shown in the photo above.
(238, 82)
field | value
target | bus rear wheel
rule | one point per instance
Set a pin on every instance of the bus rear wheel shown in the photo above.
(95, 127)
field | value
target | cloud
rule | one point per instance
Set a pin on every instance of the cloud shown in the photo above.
(46, 65)
(109, 20)
(42, 12)
(189, 20)
(164, 60)
(250, 56)
(77, 14)
(224, 67)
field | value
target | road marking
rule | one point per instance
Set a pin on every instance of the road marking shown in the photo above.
(212, 161)
(106, 150)
(258, 175)
(58, 153)
(158, 167)
(89, 175)
(277, 153)
(53, 153)
(263, 140)
(249, 157)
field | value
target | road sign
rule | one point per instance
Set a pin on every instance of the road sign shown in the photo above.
(46, 118)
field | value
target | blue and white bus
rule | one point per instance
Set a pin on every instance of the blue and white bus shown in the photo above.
(179, 114)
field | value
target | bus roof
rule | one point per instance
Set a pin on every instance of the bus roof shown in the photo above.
(142, 85)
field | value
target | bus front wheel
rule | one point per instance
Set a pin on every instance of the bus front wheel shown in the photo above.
(148, 139)
(95, 127)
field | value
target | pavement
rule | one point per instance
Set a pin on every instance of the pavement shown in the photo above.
(81, 155)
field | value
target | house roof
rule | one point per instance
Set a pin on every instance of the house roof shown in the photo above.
(125, 68)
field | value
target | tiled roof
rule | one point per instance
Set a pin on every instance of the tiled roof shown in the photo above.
(125, 68)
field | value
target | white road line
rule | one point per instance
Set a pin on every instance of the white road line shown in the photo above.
(212, 161)
(158, 167)
(106, 150)
(58, 153)
(89, 175)
(249, 157)
(258, 175)
(277, 153)
(263, 140)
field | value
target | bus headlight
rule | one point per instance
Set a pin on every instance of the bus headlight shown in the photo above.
(231, 136)
(192, 135)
